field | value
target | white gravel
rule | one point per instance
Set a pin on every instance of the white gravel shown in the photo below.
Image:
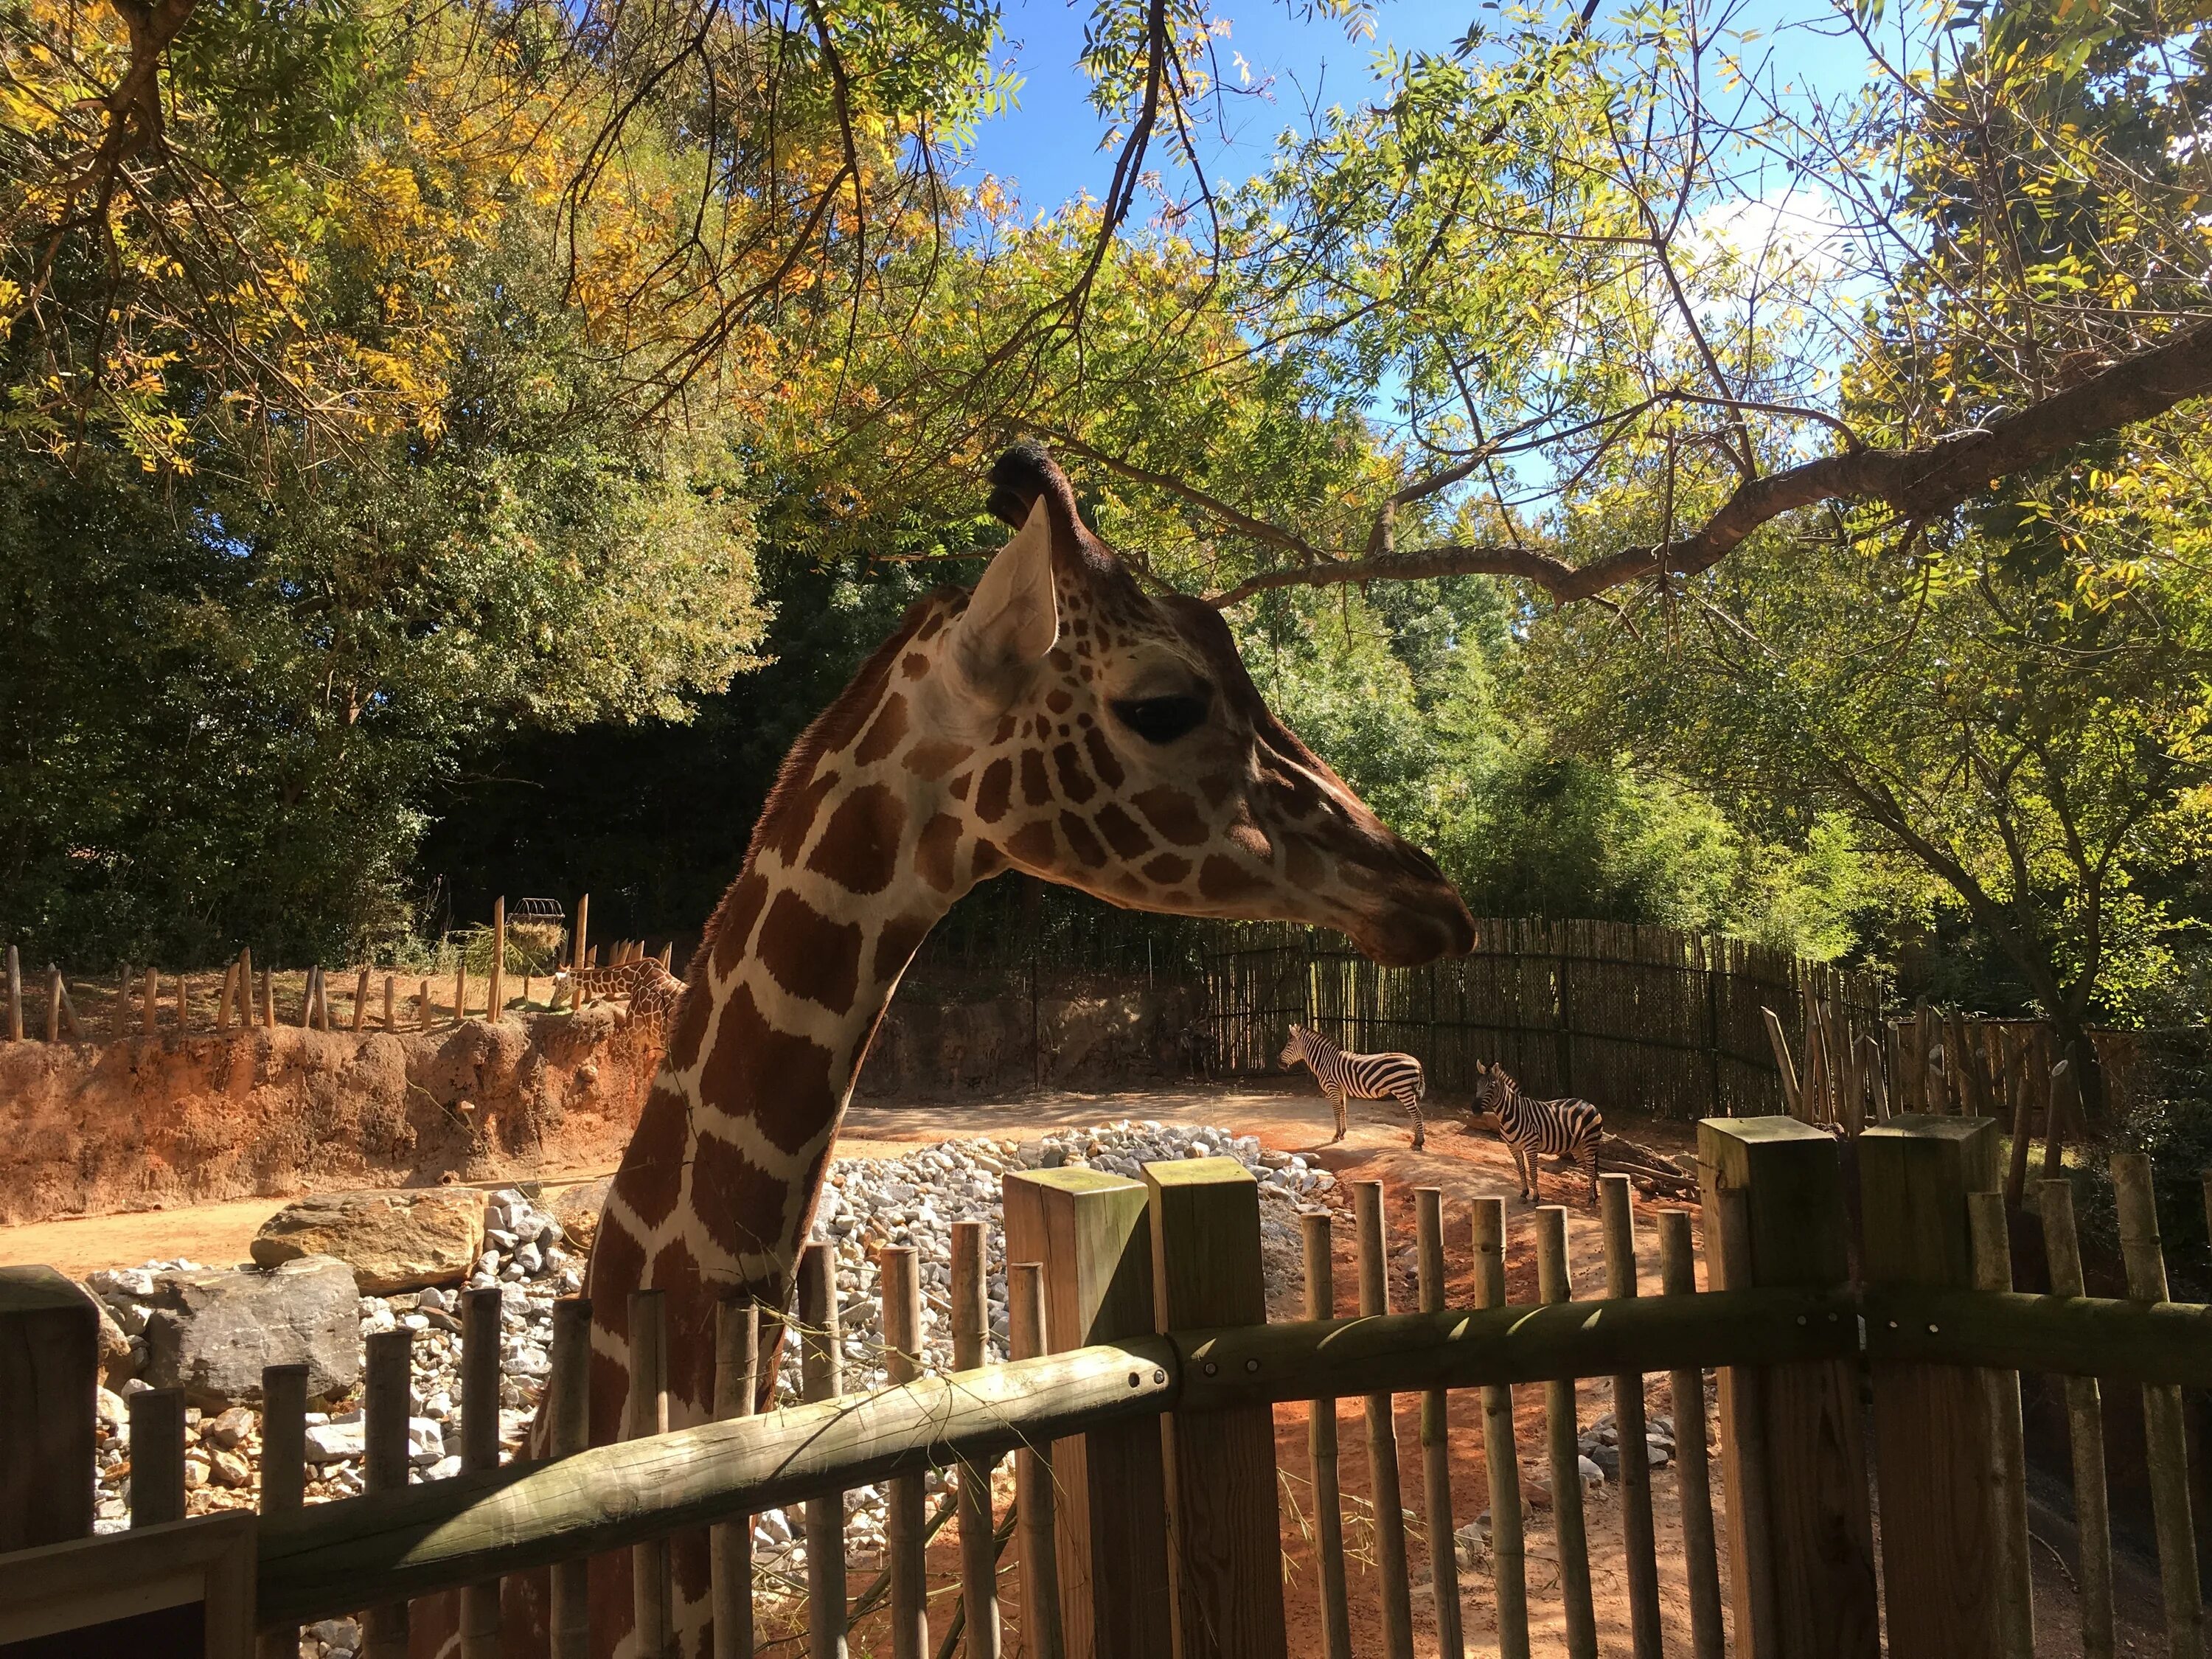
(867, 1204)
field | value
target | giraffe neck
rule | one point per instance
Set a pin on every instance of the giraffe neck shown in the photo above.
(718, 1187)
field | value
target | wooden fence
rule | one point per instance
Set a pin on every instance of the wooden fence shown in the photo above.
(1626, 1016)
(149, 1002)
(1138, 1305)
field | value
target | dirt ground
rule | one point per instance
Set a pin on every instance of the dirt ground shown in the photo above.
(1466, 1165)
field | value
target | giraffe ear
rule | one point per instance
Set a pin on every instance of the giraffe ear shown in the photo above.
(1013, 616)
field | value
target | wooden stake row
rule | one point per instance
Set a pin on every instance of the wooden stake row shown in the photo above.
(1508, 1551)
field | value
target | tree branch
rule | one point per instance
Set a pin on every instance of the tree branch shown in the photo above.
(1917, 483)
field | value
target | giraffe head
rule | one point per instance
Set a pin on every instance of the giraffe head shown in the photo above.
(1096, 736)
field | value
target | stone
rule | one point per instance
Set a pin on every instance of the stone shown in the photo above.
(228, 1468)
(1605, 1459)
(333, 1442)
(117, 1358)
(393, 1240)
(211, 1330)
(196, 1470)
(577, 1211)
(232, 1429)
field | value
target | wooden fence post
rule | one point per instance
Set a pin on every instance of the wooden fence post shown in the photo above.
(577, 959)
(49, 1371)
(498, 992)
(1810, 1460)
(15, 996)
(1225, 1549)
(1933, 1433)
(1090, 1231)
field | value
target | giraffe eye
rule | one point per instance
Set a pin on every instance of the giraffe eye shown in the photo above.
(1162, 720)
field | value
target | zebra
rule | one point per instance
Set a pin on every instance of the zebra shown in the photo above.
(1346, 1077)
(1560, 1128)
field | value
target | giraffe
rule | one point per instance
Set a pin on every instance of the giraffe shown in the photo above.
(653, 991)
(1055, 721)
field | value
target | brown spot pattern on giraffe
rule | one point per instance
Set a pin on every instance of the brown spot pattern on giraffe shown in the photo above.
(1123, 833)
(810, 954)
(859, 850)
(746, 1214)
(995, 794)
(1075, 784)
(787, 836)
(935, 851)
(1103, 761)
(1167, 869)
(1080, 840)
(885, 734)
(1173, 813)
(689, 1031)
(651, 1174)
(1225, 879)
(783, 1078)
(1033, 845)
(932, 759)
(1035, 789)
(900, 938)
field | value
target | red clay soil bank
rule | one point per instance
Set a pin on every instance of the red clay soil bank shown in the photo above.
(93, 1128)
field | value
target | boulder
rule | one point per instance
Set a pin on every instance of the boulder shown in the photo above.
(393, 1240)
(577, 1209)
(210, 1331)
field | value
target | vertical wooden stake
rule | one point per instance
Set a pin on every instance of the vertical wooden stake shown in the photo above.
(1090, 1231)
(2008, 1469)
(157, 1456)
(1507, 1546)
(223, 1001)
(283, 1470)
(480, 1336)
(120, 1021)
(387, 1402)
(461, 987)
(1638, 1539)
(423, 1007)
(1564, 1433)
(15, 995)
(905, 1523)
(1678, 1276)
(2165, 1435)
(820, 1371)
(1436, 1434)
(979, 1573)
(391, 1002)
(578, 960)
(569, 1398)
(1780, 1044)
(730, 1543)
(54, 994)
(1321, 1455)
(244, 987)
(1791, 1438)
(2085, 1424)
(1224, 1550)
(495, 1004)
(1935, 1441)
(645, 1412)
(1040, 1623)
(361, 998)
(183, 1006)
(49, 1374)
(268, 1000)
(150, 1002)
(1383, 1433)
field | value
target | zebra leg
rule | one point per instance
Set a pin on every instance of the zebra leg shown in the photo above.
(1589, 1159)
(1412, 1103)
(1336, 1099)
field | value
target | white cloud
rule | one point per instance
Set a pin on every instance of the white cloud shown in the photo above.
(1797, 234)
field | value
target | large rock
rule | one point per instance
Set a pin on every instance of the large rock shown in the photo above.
(393, 1240)
(577, 1209)
(210, 1331)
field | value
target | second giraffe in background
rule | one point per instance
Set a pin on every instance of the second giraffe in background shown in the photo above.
(1346, 1077)
(1556, 1128)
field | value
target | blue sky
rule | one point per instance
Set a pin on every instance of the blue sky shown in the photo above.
(1050, 146)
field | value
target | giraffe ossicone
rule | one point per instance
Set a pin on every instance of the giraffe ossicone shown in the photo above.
(1056, 720)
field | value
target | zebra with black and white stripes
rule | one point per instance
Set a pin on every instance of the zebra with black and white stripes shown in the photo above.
(1555, 1128)
(1346, 1077)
